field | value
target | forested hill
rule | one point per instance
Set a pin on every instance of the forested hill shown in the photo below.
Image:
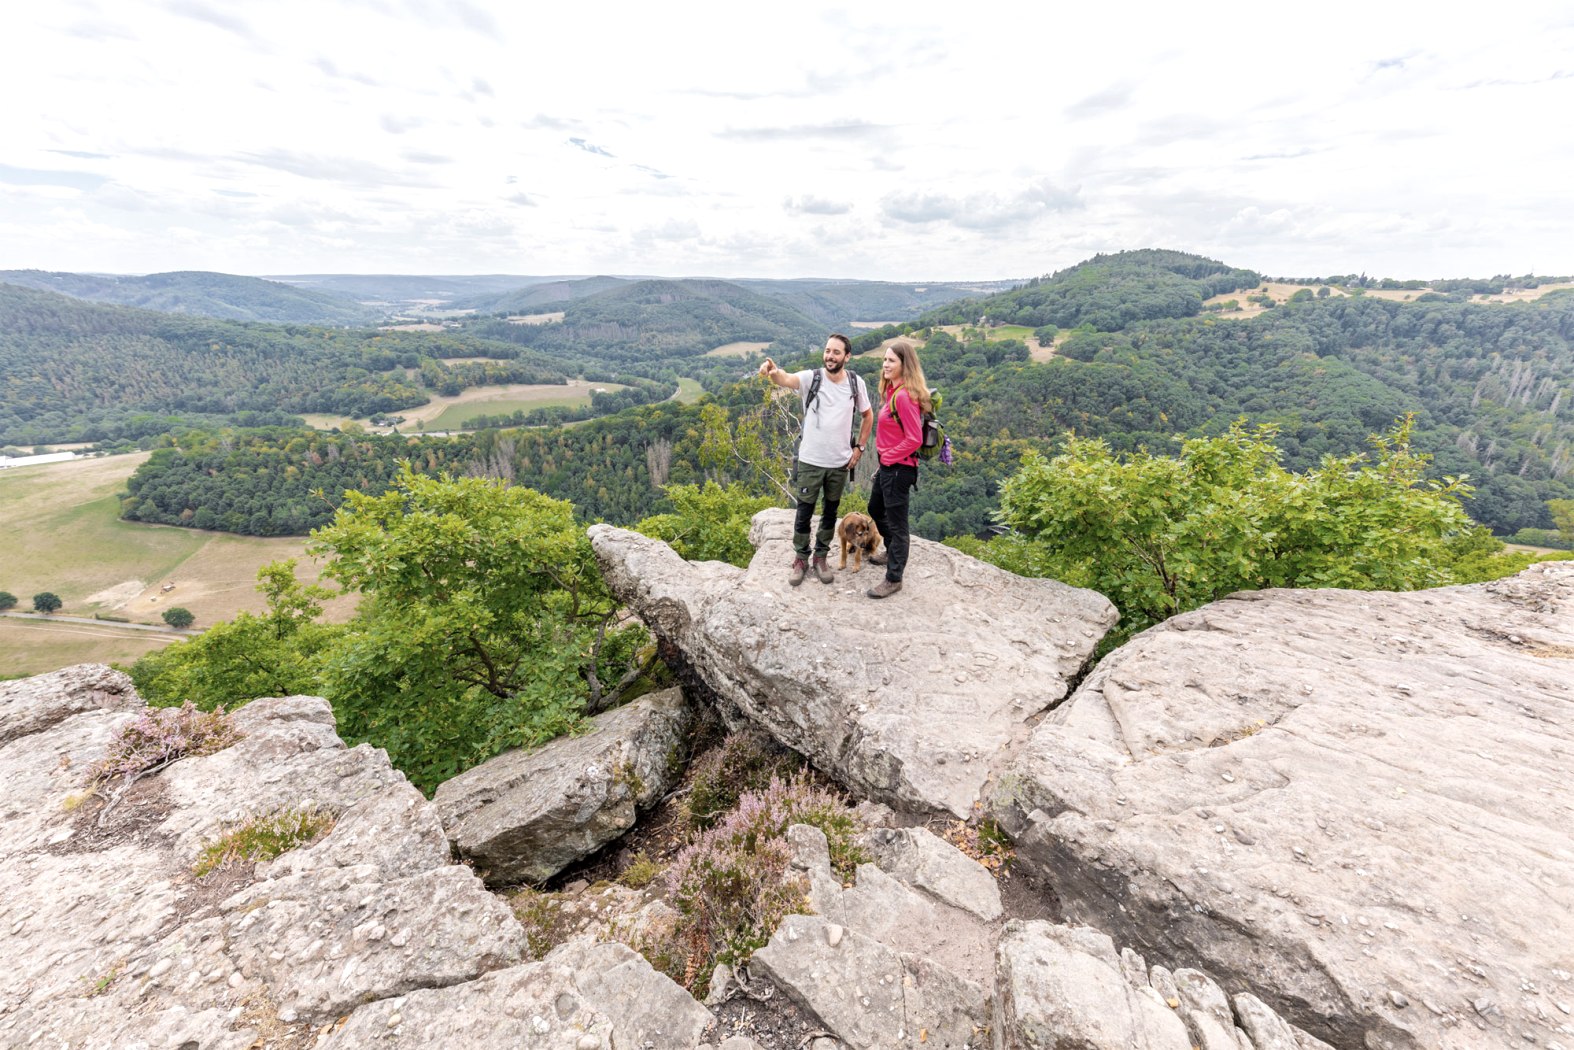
(221, 295)
(533, 298)
(1107, 292)
(76, 371)
(836, 305)
(1492, 383)
(650, 320)
(833, 305)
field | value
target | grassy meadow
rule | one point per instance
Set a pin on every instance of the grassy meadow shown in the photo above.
(64, 535)
(688, 392)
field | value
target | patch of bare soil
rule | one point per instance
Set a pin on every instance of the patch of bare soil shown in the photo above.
(118, 595)
(135, 818)
(772, 1020)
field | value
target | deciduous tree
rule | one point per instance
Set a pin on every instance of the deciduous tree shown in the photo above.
(1159, 535)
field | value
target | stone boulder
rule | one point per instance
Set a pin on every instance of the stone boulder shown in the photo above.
(881, 964)
(33, 704)
(527, 814)
(1062, 988)
(582, 996)
(1355, 805)
(911, 701)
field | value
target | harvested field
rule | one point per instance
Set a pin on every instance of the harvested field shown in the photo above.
(452, 413)
(737, 350)
(67, 538)
(29, 647)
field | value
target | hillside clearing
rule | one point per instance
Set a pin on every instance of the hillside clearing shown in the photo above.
(737, 350)
(517, 396)
(455, 412)
(1281, 291)
(550, 318)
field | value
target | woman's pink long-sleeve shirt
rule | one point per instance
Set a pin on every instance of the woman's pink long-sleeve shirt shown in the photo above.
(899, 444)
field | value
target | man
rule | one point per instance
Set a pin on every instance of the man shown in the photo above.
(831, 397)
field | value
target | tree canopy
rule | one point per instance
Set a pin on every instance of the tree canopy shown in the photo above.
(484, 624)
(1160, 535)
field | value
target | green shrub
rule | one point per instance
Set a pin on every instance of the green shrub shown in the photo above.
(641, 872)
(708, 523)
(7, 600)
(178, 617)
(263, 838)
(1159, 535)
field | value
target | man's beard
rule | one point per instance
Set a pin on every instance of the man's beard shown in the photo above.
(834, 367)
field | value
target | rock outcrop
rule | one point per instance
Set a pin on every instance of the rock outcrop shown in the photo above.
(370, 936)
(1287, 817)
(1355, 805)
(911, 701)
(528, 814)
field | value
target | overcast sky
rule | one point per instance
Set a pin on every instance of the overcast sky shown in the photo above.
(911, 141)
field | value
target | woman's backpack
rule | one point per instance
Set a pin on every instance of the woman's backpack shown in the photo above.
(935, 443)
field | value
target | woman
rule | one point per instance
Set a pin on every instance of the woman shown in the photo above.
(904, 396)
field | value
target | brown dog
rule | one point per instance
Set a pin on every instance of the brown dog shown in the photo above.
(859, 536)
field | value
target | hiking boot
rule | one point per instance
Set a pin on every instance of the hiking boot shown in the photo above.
(884, 589)
(799, 567)
(877, 558)
(822, 570)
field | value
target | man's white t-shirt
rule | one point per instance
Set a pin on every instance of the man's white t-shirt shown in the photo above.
(828, 424)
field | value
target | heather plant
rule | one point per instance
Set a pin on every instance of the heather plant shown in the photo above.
(263, 838)
(745, 761)
(734, 884)
(159, 736)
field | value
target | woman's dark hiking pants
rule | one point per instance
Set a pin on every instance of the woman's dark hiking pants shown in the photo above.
(893, 489)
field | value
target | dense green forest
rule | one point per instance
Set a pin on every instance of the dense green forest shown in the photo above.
(205, 294)
(281, 481)
(77, 371)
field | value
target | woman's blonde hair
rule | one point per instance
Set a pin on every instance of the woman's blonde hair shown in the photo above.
(912, 380)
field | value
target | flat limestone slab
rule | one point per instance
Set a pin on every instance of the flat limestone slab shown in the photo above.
(912, 700)
(1357, 805)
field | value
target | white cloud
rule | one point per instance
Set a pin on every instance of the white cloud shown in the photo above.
(779, 139)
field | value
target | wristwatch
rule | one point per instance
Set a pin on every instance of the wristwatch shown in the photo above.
(857, 446)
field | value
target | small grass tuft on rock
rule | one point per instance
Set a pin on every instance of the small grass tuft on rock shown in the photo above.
(641, 872)
(263, 838)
